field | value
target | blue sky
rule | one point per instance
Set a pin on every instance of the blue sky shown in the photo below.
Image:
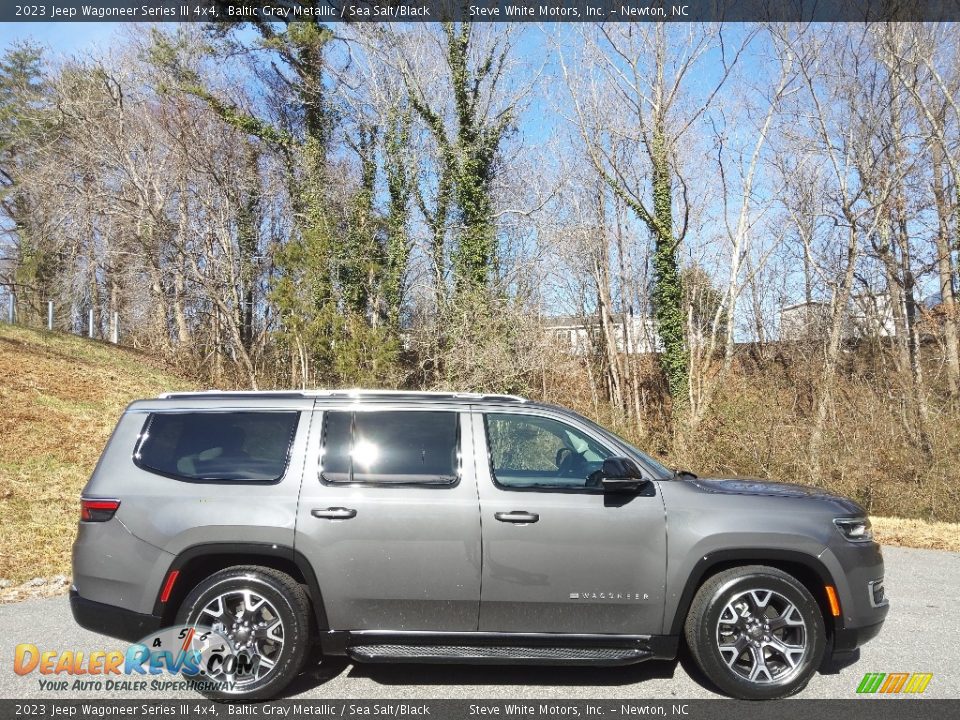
(62, 37)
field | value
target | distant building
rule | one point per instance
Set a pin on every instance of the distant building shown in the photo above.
(869, 315)
(804, 321)
(582, 334)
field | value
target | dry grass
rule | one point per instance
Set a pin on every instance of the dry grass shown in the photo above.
(917, 533)
(60, 397)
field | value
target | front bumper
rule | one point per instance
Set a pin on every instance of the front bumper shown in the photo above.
(857, 571)
(112, 620)
(846, 640)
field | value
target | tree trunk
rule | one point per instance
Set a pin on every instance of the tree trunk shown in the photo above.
(160, 329)
(946, 270)
(838, 315)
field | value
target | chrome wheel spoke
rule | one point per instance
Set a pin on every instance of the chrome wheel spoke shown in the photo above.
(275, 631)
(249, 605)
(791, 654)
(214, 608)
(759, 670)
(731, 653)
(729, 616)
(790, 617)
(760, 599)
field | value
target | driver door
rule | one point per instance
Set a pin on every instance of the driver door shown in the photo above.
(560, 555)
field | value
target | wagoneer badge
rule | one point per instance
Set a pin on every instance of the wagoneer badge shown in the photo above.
(608, 596)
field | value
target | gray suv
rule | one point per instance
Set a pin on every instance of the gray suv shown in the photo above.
(458, 528)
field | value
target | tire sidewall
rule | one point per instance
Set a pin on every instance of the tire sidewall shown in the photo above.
(715, 665)
(295, 632)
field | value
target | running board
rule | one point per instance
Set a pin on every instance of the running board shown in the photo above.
(497, 654)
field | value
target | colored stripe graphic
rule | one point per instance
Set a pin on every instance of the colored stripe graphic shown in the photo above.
(870, 683)
(894, 683)
(918, 682)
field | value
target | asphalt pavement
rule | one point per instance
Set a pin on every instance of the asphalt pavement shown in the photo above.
(921, 634)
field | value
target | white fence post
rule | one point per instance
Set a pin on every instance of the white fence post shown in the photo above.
(49, 314)
(90, 323)
(116, 328)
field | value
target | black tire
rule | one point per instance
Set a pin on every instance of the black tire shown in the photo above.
(282, 594)
(725, 612)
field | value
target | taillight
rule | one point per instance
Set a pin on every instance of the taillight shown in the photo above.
(97, 510)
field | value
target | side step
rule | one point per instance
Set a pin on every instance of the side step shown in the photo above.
(497, 654)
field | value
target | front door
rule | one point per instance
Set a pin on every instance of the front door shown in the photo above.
(559, 554)
(389, 519)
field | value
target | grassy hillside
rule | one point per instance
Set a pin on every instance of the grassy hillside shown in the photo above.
(60, 397)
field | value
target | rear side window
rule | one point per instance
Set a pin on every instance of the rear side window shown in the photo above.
(218, 446)
(410, 448)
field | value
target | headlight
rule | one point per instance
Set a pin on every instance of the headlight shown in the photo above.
(855, 529)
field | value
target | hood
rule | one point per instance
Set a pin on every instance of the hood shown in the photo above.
(749, 486)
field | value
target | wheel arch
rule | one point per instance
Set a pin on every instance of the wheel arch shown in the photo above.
(807, 569)
(200, 561)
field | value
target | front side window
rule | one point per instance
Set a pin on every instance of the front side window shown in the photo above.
(390, 447)
(529, 451)
(218, 446)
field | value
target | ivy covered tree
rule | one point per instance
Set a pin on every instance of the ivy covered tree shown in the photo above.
(469, 143)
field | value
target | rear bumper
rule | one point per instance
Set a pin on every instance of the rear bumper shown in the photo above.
(112, 620)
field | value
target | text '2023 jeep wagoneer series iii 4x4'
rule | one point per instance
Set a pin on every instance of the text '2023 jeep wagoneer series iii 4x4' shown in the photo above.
(454, 527)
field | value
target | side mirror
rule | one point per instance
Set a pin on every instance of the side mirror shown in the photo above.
(621, 474)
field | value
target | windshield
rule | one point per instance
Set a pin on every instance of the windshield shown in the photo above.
(662, 472)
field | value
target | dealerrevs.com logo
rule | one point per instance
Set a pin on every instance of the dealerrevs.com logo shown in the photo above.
(894, 683)
(205, 658)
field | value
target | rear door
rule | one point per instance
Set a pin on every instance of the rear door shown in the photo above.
(560, 555)
(389, 517)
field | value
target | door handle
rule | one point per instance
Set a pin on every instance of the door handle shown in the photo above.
(334, 513)
(517, 516)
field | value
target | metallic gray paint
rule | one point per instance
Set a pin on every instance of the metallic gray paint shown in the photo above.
(584, 542)
(410, 557)
(435, 559)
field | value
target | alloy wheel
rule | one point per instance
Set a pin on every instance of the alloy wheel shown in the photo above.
(253, 625)
(762, 636)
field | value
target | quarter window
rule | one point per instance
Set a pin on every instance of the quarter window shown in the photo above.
(390, 447)
(218, 446)
(529, 451)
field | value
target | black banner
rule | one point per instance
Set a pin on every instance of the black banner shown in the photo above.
(855, 709)
(478, 10)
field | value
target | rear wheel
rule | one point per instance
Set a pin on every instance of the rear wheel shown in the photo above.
(756, 632)
(265, 614)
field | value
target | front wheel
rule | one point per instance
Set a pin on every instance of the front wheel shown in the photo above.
(756, 632)
(265, 614)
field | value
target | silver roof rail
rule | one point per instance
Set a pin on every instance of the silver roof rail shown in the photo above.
(349, 393)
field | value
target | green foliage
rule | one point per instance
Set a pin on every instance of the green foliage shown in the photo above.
(26, 118)
(329, 272)
(303, 295)
(667, 284)
(22, 98)
(365, 355)
(468, 159)
(360, 258)
(475, 157)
